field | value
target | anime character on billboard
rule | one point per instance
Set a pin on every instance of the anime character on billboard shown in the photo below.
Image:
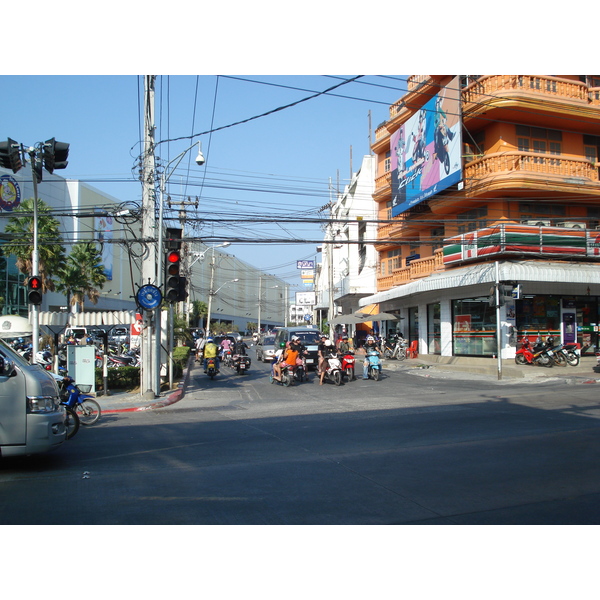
(442, 135)
(425, 151)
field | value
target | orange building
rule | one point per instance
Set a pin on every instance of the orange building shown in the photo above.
(487, 180)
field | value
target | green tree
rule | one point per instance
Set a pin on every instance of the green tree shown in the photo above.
(51, 250)
(199, 311)
(82, 275)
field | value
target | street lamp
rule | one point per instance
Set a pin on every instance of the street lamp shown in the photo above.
(164, 177)
(210, 297)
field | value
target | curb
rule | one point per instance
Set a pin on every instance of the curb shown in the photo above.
(172, 398)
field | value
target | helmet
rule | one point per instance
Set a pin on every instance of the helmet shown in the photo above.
(370, 338)
(295, 338)
(344, 337)
(239, 338)
(209, 339)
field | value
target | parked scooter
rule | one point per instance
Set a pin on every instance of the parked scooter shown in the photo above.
(539, 355)
(564, 354)
(374, 366)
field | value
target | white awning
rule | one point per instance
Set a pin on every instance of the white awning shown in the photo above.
(485, 273)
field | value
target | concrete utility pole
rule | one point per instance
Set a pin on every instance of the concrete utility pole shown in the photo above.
(150, 261)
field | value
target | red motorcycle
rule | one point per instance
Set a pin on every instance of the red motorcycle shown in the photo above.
(348, 366)
(539, 355)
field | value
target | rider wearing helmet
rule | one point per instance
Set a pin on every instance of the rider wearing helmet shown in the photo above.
(211, 351)
(240, 346)
(370, 348)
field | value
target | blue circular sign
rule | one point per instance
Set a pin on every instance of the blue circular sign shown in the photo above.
(149, 297)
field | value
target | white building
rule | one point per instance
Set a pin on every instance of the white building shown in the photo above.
(347, 271)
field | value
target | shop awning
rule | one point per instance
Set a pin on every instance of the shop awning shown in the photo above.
(520, 271)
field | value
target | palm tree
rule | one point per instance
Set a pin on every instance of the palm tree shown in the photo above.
(51, 252)
(82, 275)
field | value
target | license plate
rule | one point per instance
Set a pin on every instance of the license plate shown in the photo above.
(242, 366)
(309, 361)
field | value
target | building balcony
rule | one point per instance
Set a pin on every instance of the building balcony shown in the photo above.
(419, 268)
(541, 96)
(516, 169)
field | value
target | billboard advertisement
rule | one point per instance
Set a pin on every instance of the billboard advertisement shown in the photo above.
(426, 151)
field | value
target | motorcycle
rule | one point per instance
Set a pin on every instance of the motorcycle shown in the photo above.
(300, 372)
(564, 354)
(240, 363)
(44, 359)
(347, 366)
(374, 366)
(333, 370)
(539, 355)
(86, 409)
(129, 359)
(287, 374)
(211, 367)
(396, 349)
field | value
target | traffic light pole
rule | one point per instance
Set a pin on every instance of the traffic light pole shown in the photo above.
(35, 262)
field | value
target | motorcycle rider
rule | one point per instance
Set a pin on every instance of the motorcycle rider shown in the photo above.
(240, 346)
(225, 347)
(328, 349)
(211, 351)
(289, 357)
(370, 348)
(344, 346)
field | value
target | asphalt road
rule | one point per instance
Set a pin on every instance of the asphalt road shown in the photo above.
(404, 450)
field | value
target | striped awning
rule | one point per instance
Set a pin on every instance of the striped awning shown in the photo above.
(485, 273)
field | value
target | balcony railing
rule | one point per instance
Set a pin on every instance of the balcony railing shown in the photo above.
(419, 268)
(487, 87)
(493, 165)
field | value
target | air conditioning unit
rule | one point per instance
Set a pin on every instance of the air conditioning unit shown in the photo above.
(572, 225)
(537, 222)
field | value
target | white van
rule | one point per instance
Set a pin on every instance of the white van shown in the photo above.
(32, 419)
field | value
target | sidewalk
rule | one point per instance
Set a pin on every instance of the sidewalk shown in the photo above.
(118, 401)
(430, 365)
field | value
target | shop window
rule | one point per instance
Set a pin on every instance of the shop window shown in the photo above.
(473, 327)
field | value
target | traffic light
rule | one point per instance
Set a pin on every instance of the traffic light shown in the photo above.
(34, 290)
(10, 155)
(55, 155)
(183, 293)
(173, 278)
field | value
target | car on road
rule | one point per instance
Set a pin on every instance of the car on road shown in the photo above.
(265, 348)
(309, 336)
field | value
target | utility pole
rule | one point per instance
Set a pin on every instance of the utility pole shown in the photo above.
(150, 261)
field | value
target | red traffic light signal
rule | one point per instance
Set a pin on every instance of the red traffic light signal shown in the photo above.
(173, 278)
(34, 290)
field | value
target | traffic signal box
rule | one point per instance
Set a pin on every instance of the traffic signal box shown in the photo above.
(10, 155)
(173, 277)
(34, 290)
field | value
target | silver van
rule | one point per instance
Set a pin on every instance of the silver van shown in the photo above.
(309, 336)
(32, 419)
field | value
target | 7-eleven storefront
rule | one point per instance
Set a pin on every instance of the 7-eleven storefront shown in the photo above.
(450, 313)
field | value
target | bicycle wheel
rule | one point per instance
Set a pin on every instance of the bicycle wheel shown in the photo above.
(71, 423)
(88, 412)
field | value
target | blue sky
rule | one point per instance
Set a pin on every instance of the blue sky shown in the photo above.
(288, 157)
